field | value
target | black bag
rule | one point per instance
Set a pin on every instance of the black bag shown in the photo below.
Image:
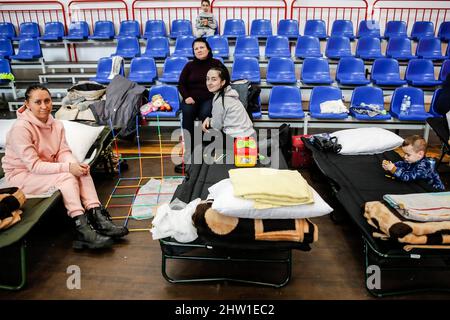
(326, 143)
(248, 94)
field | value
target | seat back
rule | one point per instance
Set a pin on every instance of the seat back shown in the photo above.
(155, 28)
(420, 69)
(385, 68)
(433, 110)
(277, 46)
(281, 70)
(315, 28)
(307, 46)
(29, 30)
(104, 29)
(429, 48)
(78, 29)
(143, 68)
(174, 65)
(54, 30)
(342, 28)
(245, 68)
(169, 94)
(445, 70)
(157, 47)
(6, 48)
(5, 67)
(422, 29)
(30, 47)
(288, 28)
(219, 46)
(350, 67)
(368, 48)
(417, 100)
(338, 46)
(398, 47)
(369, 28)
(322, 94)
(104, 66)
(367, 95)
(181, 27)
(129, 28)
(246, 46)
(285, 101)
(395, 29)
(444, 31)
(128, 47)
(7, 30)
(234, 28)
(183, 46)
(261, 28)
(315, 68)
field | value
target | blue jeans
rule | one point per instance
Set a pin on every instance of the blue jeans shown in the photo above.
(191, 112)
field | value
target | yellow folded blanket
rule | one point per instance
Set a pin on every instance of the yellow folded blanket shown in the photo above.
(271, 188)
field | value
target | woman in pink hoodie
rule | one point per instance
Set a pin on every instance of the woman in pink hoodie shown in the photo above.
(38, 158)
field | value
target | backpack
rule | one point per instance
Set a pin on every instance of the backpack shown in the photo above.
(248, 94)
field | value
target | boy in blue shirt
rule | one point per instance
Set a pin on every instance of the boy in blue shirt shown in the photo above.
(415, 165)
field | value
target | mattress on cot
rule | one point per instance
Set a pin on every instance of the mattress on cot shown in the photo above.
(358, 179)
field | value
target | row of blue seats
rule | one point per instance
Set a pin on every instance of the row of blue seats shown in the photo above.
(103, 30)
(285, 102)
(281, 70)
(367, 48)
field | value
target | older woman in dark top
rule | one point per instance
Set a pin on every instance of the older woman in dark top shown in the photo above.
(197, 100)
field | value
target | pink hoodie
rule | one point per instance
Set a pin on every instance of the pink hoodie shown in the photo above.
(36, 147)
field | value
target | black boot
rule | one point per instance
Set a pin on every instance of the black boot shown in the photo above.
(86, 236)
(100, 219)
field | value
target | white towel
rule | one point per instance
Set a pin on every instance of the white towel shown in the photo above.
(115, 66)
(333, 106)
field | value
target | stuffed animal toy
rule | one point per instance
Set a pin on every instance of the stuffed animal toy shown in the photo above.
(11, 200)
(156, 104)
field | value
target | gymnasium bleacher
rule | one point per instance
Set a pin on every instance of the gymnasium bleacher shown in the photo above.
(342, 51)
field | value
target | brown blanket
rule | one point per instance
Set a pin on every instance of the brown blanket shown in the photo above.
(390, 224)
(209, 223)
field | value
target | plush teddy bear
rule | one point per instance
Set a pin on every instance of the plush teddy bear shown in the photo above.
(156, 104)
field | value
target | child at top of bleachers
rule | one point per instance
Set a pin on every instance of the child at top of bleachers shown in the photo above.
(415, 165)
(205, 24)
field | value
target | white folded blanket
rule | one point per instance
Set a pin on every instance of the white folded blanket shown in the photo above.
(333, 106)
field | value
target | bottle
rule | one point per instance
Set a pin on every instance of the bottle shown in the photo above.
(403, 105)
(408, 104)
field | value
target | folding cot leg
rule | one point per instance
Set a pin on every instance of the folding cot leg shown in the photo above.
(23, 270)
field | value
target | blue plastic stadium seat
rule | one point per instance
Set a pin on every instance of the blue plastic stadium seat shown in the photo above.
(128, 47)
(430, 48)
(129, 28)
(338, 47)
(246, 68)
(29, 49)
(155, 28)
(422, 29)
(4, 68)
(444, 31)
(54, 31)
(246, 46)
(369, 28)
(445, 70)
(181, 27)
(169, 94)
(307, 46)
(368, 95)
(288, 28)
(395, 29)
(281, 70)
(143, 70)
(368, 48)
(7, 30)
(416, 112)
(103, 30)
(234, 28)
(6, 48)
(172, 69)
(342, 28)
(315, 28)
(316, 71)
(28, 30)
(104, 69)
(277, 46)
(386, 72)
(219, 46)
(322, 94)
(157, 47)
(183, 46)
(399, 48)
(261, 28)
(433, 111)
(350, 71)
(420, 72)
(285, 103)
(78, 30)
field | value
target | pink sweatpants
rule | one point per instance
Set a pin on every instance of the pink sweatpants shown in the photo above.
(77, 192)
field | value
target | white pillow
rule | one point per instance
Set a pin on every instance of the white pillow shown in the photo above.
(5, 125)
(367, 140)
(226, 203)
(80, 137)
